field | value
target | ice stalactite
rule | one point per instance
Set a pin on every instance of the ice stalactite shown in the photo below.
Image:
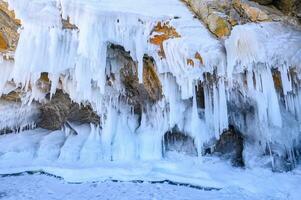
(16, 117)
(265, 61)
(6, 67)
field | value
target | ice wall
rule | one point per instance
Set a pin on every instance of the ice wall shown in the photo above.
(17, 117)
(235, 74)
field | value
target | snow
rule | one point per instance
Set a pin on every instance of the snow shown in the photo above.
(44, 187)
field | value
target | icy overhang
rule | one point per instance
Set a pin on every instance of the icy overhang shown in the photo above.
(127, 23)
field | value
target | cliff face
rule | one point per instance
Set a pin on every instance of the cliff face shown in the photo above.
(143, 75)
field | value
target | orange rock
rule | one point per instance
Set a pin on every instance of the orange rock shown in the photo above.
(3, 43)
(190, 62)
(151, 80)
(218, 25)
(67, 25)
(162, 33)
(10, 13)
(199, 57)
(255, 14)
(277, 80)
(8, 28)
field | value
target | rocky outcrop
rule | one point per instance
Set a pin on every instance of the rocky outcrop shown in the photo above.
(230, 145)
(264, 2)
(250, 11)
(212, 13)
(138, 94)
(289, 7)
(61, 109)
(221, 15)
(8, 29)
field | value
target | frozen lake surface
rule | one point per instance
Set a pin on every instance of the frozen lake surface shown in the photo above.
(40, 186)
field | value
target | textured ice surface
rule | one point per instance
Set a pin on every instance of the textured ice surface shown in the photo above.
(44, 187)
(15, 116)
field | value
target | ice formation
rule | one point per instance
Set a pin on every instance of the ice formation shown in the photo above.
(235, 77)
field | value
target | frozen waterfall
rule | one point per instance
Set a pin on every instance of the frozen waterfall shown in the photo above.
(250, 81)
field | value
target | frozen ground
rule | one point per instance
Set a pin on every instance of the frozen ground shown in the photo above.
(41, 186)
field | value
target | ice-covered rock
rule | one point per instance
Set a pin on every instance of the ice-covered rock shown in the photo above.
(145, 69)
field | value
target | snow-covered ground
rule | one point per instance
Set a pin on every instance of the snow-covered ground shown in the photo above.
(40, 186)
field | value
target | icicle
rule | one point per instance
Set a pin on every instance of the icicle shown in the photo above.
(150, 136)
(91, 150)
(108, 132)
(285, 80)
(223, 110)
(198, 129)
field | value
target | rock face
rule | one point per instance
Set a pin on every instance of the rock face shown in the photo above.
(289, 7)
(230, 145)
(8, 29)
(250, 11)
(138, 94)
(221, 15)
(212, 13)
(61, 109)
(264, 2)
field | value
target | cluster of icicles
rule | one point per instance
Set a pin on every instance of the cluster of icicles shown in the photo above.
(78, 62)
